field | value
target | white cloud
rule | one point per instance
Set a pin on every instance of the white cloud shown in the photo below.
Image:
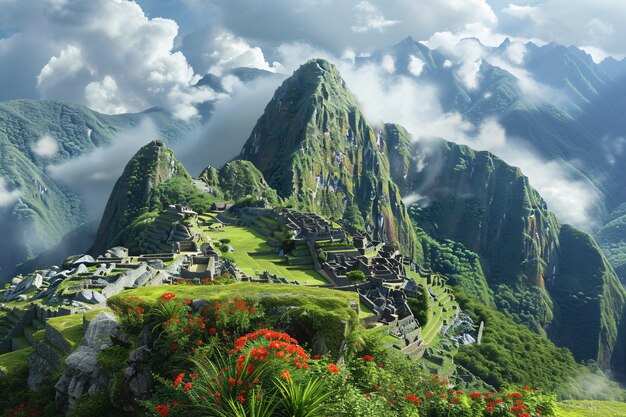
(103, 96)
(7, 197)
(230, 51)
(516, 52)
(491, 136)
(68, 63)
(45, 147)
(470, 53)
(594, 24)
(93, 174)
(370, 18)
(389, 64)
(102, 50)
(415, 65)
(522, 11)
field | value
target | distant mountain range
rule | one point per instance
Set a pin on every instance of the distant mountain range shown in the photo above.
(580, 121)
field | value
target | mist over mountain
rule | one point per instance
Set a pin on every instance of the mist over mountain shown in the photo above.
(322, 209)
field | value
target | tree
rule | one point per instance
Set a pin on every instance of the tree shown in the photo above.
(355, 277)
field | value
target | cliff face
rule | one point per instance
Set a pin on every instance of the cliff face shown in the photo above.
(152, 165)
(314, 146)
(477, 199)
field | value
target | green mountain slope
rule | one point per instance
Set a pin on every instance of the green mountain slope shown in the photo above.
(478, 200)
(133, 194)
(237, 180)
(45, 210)
(314, 146)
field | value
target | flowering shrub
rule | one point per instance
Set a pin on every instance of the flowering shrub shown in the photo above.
(23, 410)
(233, 317)
(265, 372)
(131, 311)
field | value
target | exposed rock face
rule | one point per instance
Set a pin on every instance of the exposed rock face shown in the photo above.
(33, 282)
(477, 199)
(153, 165)
(82, 374)
(127, 279)
(137, 374)
(91, 297)
(314, 146)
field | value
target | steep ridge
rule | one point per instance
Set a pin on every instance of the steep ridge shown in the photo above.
(132, 196)
(478, 200)
(314, 146)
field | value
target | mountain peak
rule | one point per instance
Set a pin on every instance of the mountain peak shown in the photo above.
(151, 166)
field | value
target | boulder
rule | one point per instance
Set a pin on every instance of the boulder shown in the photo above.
(137, 375)
(32, 283)
(80, 269)
(156, 264)
(83, 259)
(116, 252)
(160, 278)
(98, 334)
(126, 279)
(82, 374)
(90, 297)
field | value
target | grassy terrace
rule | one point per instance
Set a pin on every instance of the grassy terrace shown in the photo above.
(71, 327)
(591, 409)
(14, 360)
(246, 289)
(247, 241)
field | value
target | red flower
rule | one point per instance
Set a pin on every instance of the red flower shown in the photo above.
(178, 380)
(368, 358)
(412, 398)
(285, 375)
(162, 410)
(168, 296)
(187, 386)
(333, 368)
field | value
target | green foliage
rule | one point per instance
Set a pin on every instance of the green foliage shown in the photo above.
(94, 404)
(113, 359)
(227, 256)
(306, 399)
(461, 266)
(241, 179)
(420, 306)
(181, 189)
(532, 307)
(355, 277)
(589, 298)
(353, 216)
(511, 354)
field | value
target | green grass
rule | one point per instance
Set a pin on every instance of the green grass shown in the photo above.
(14, 360)
(591, 409)
(324, 311)
(71, 327)
(364, 311)
(215, 292)
(246, 240)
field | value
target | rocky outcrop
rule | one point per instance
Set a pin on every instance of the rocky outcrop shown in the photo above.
(82, 374)
(90, 297)
(317, 150)
(32, 283)
(153, 165)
